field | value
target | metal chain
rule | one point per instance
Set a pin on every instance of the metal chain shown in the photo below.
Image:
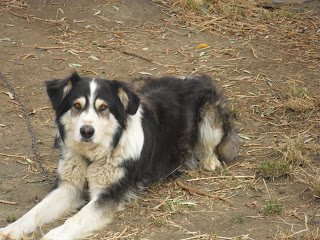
(34, 144)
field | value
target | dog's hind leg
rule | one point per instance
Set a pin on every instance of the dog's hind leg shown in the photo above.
(217, 139)
(210, 135)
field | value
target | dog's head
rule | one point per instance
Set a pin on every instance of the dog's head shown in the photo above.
(91, 110)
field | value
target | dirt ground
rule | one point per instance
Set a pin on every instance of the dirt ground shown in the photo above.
(271, 79)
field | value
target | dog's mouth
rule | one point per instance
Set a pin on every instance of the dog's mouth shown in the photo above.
(86, 140)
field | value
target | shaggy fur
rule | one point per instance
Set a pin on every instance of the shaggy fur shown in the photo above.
(119, 138)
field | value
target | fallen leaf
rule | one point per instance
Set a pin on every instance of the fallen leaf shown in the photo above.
(94, 58)
(29, 160)
(97, 13)
(10, 95)
(243, 136)
(72, 65)
(145, 73)
(202, 46)
(271, 110)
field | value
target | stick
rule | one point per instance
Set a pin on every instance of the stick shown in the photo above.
(219, 177)
(188, 58)
(9, 155)
(156, 207)
(48, 48)
(253, 52)
(138, 56)
(236, 164)
(6, 202)
(248, 205)
(304, 190)
(124, 230)
(28, 55)
(203, 193)
(251, 145)
(15, 14)
(265, 184)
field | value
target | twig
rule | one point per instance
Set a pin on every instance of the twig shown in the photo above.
(138, 56)
(15, 14)
(120, 235)
(28, 55)
(250, 206)
(183, 54)
(196, 237)
(7, 202)
(253, 52)
(304, 190)
(9, 155)
(219, 177)
(48, 48)
(265, 184)
(233, 165)
(288, 237)
(90, 70)
(251, 145)
(163, 202)
(203, 193)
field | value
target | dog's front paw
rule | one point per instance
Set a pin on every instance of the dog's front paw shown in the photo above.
(57, 234)
(9, 233)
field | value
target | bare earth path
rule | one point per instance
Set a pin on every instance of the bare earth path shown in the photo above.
(271, 78)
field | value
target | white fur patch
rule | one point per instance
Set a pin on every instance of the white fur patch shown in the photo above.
(211, 163)
(208, 135)
(132, 139)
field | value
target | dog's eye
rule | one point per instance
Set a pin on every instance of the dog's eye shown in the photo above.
(77, 106)
(102, 108)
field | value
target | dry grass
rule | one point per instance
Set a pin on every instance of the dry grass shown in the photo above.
(249, 19)
(298, 99)
(297, 153)
(304, 234)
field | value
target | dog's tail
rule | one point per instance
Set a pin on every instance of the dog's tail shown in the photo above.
(227, 149)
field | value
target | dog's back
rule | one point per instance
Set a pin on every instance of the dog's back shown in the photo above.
(193, 124)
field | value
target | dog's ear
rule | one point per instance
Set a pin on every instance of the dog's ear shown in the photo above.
(57, 89)
(128, 97)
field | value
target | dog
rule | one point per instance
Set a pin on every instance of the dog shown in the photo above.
(117, 138)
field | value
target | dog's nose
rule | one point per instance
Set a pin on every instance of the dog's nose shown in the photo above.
(87, 131)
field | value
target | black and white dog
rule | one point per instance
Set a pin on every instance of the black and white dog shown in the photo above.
(118, 138)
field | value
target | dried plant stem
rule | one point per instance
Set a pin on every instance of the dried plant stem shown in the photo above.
(7, 202)
(220, 177)
(190, 189)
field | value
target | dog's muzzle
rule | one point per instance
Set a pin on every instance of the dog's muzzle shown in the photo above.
(87, 131)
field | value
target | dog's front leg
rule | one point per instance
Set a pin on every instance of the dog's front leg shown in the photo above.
(66, 197)
(92, 217)
(60, 200)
